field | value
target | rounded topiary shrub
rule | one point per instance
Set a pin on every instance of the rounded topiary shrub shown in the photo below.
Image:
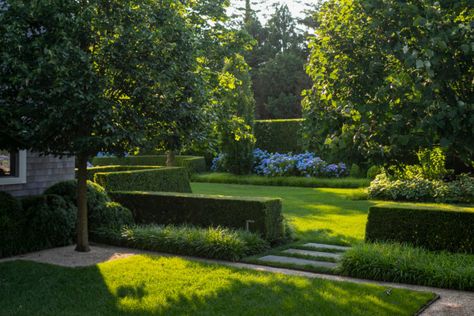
(50, 221)
(373, 172)
(356, 171)
(96, 195)
(111, 215)
(10, 225)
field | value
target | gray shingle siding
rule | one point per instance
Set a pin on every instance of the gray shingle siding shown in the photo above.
(42, 172)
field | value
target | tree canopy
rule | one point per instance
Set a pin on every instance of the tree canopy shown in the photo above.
(391, 77)
(81, 77)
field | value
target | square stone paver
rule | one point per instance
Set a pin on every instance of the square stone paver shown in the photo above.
(314, 253)
(298, 261)
(324, 246)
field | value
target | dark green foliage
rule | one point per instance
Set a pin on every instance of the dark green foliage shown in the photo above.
(237, 144)
(206, 210)
(111, 215)
(430, 228)
(93, 170)
(279, 135)
(278, 85)
(391, 77)
(213, 243)
(167, 179)
(373, 172)
(10, 225)
(96, 195)
(236, 139)
(277, 63)
(355, 171)
(191, 163)
(405, 264)
(50, 221)
(281, 181)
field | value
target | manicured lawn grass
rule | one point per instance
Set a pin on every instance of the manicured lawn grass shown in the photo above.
(317, 214)
(147, 285)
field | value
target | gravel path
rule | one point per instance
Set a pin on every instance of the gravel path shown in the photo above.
(451, 302)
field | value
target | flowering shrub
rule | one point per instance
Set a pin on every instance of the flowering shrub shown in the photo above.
(421, 189)
(275, 164)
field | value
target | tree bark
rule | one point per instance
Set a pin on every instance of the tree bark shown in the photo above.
(170, 158)
(82, 230)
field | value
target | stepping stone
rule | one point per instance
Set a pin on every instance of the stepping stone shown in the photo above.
(313, 253)
(324, 246)
(297, 261)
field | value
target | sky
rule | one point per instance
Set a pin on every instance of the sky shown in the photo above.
(296, 6)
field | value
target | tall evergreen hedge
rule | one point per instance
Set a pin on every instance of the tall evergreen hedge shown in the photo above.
(279, 135)
(166, 179)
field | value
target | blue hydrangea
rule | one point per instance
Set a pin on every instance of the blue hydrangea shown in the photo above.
(276, 164)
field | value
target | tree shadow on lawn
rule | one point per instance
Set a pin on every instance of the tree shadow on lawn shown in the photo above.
(153, 285)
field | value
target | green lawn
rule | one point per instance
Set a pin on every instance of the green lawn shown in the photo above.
(147, 285)
(317, 214)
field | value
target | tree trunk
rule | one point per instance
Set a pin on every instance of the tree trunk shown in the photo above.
(170, 158)
(82, 230)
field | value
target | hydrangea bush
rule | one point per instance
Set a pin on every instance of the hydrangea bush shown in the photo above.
(276, 164)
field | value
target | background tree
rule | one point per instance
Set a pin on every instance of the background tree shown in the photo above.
(277, 62)
(236, 132)
(78, 77)
(392, 77)
(218, 44)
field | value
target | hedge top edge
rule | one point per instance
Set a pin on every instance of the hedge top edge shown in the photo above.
(200, 196)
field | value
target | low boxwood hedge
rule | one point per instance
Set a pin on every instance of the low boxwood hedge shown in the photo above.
(263, 215)
(192, 163)
(93, 170)
(430, 228)
(279, 135)
(167, 179)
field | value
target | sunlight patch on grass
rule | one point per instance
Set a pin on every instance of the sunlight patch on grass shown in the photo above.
(149, 285)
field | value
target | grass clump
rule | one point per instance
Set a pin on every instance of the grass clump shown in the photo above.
(405, 264)
(218, 177)
(213, 243)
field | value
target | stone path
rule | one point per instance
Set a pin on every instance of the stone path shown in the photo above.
(323, 256)
(298, 261)
(325, 246)
(451, 302)
(313, 253)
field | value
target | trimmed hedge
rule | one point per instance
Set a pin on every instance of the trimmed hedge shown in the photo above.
(192, 163)
(311, 182)
(167, 179)
(205, 211)
(279, 135)
(93, 170)
(430, 228)
(212, 242)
